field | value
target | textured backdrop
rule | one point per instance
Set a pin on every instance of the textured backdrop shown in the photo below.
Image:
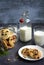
(11, 10)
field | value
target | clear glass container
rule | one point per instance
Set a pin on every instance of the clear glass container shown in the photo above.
(25, 28)
(8, 36)
(39, 35)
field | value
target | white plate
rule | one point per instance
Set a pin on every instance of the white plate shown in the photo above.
(33, 47)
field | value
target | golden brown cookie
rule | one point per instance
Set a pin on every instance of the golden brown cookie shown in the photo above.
(34, 53)
(5, 33)
(6, 44)
(12, 39)
(25, 52)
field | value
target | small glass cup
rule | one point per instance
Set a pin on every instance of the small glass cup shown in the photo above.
(39, 35)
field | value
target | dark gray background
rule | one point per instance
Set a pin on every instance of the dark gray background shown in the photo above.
(11, 10)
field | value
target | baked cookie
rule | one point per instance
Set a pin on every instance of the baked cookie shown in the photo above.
(25, 52)
(12, 39)
(7, 45)
(5, 33)
(34, 53)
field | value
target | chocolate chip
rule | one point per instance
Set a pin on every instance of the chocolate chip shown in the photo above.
(2, 34)
(7, 39)
(37, 57)
(6, 31)
(8, 44)
(5, 34)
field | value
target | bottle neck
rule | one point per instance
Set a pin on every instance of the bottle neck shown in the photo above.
(23, 24)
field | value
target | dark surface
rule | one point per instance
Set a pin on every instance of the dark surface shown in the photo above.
(11, 10)
(15, 59)
(13, 54)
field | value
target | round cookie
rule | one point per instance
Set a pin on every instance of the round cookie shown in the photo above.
(34, 53)
(5, 33)
(12, 39)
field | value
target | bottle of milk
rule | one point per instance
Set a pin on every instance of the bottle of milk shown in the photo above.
(25, 28)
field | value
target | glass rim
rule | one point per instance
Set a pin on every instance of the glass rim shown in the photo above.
(41, 28)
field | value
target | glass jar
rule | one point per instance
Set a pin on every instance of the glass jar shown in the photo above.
(8, 36)
(39, 35)
(25, 28)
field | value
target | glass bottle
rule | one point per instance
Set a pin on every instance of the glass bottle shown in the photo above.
(25, 28)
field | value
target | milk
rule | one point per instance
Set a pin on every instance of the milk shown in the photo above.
(39, 37)
(25, 33)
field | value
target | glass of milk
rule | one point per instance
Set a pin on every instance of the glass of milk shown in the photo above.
(39, 35)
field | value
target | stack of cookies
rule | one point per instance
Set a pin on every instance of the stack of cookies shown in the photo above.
(7, 38)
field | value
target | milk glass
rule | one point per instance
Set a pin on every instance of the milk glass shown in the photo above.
(39, 35)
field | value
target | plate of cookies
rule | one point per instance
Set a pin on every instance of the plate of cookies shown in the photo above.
(31, 52)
